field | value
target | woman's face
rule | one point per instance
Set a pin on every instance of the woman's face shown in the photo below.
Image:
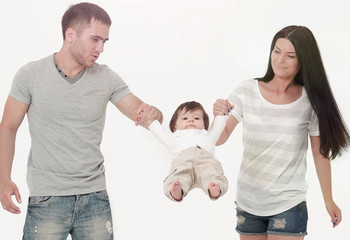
(284, 59)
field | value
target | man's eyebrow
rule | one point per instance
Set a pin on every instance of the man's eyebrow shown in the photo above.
(98, 37)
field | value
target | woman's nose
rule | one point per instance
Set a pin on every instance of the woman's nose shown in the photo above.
(281, 58)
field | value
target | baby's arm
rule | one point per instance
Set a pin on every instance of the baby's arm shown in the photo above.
(166, 137)
(217, 127)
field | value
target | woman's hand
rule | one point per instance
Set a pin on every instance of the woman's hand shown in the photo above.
(222, 107)
(334, 212)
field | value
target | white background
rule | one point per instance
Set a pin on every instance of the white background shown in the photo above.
(170, 52)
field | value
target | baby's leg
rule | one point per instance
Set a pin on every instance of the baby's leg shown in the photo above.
(176, 191)
(181, 177)
(210, 176)
(214, 190)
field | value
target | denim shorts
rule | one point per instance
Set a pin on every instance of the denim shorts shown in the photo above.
(86, 216)
(292, 222)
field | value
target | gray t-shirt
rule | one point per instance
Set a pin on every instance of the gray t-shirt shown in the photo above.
(66, 123)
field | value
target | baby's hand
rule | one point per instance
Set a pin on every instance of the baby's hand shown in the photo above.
(222, 107)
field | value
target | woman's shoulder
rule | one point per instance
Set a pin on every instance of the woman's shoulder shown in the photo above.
(248, 83)
(245, 85)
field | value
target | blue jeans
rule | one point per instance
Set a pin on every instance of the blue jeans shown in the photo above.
(292, 222)
(86, 216)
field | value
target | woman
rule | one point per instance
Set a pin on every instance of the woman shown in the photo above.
(279, 111)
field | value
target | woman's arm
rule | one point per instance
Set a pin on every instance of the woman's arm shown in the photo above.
(323, 169)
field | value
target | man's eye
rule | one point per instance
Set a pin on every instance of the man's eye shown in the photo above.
(184, 118)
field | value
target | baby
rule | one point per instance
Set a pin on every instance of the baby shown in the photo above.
(193, 147)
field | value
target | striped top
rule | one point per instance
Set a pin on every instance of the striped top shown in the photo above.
(275, 141)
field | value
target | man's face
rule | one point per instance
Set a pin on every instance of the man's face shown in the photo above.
(89, 44)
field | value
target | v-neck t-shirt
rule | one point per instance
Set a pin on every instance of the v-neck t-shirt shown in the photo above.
(66, 123)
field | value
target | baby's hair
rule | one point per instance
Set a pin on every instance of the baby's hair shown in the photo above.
(189, 106)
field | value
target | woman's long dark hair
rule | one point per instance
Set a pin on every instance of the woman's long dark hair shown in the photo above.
(333, 132)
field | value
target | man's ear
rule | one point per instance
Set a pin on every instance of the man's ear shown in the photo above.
(71, 35)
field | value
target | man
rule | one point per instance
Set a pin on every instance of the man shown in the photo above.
(65, 96)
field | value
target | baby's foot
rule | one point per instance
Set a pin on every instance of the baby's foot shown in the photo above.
(176, 190)
(214, 190)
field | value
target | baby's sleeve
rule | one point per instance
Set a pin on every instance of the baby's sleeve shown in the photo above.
(217, 127)
(166, 137)
(235, 98)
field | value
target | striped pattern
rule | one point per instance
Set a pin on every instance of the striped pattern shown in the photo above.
(275, 141)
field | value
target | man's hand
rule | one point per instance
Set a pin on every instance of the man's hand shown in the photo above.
(146, 114)
(7, 189)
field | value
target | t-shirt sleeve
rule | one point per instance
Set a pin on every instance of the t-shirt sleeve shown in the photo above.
(313, 128)
(21, 86)
(119, 88)
(235, 98)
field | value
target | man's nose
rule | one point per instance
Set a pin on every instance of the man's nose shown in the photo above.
(100, 47)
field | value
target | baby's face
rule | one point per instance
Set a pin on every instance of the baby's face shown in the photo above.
(190, 120)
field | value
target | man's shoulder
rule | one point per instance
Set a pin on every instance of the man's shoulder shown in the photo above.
(34, 67)
(104, 72)
(40, 63)
(100, 67)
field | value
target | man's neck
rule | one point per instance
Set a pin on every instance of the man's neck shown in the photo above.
(68, 64)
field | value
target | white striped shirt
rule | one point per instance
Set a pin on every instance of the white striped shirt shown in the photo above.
(275, 141)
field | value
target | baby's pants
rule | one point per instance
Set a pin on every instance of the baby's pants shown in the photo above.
(195, 167)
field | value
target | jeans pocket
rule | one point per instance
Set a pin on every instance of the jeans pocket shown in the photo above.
(39, 200)
(102, 195)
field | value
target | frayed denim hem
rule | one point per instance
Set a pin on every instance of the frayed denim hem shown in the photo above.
(287, 234)
(250, 234)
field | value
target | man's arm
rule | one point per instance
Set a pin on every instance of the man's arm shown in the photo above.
(14, 113)
(138, 111)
